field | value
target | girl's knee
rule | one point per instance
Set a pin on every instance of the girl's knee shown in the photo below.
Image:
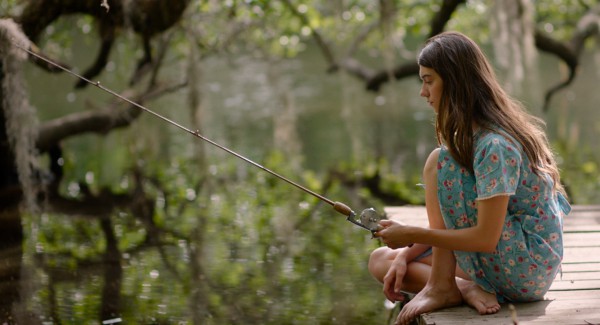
(377, 255)
(377, 260)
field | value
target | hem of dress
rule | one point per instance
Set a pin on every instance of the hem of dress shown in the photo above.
(495, 195)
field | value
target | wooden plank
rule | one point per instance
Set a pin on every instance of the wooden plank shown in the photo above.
(412, 215)
(583, 219)
(560, 308)
(579, 317)
(572, 285)
(581, 255)
(573, 276)
(580, 267)
(576, 227)
(585, 239)
(585, 211)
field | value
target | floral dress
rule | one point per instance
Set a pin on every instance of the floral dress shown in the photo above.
(530, 249)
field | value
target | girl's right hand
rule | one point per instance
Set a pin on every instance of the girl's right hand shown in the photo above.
(394, 233)
(392, 281)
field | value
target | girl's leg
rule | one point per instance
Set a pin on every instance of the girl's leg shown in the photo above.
(417, 271)
(483, 301)
(441, 289)
(437, 279)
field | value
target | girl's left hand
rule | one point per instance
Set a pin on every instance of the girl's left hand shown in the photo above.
(393, 233)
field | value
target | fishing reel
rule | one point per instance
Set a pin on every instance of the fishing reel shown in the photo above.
(368, 219)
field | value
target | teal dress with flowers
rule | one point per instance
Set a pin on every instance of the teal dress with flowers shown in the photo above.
(529, 252)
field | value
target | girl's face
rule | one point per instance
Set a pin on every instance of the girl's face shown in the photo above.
(432, 87)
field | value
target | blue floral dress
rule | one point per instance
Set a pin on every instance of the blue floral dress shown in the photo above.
(529, 252)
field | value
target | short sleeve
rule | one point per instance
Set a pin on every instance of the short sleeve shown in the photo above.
(496, 165)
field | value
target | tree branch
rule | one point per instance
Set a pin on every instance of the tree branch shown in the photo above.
(569, 52)
(325, 49)
(400, 72)
(100, 121)
(441, 18)
(437, 25)
(147, 18)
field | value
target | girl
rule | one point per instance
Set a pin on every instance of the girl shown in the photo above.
(493, 196)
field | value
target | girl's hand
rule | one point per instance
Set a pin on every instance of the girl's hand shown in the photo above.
(392, 281)
(393, 233)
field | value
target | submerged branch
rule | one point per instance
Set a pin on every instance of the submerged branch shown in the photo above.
(92, 206)
(372, 183)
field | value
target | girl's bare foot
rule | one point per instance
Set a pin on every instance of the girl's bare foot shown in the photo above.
(485, 302)
(431, 298)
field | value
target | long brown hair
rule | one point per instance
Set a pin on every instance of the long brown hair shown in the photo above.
(471, 96)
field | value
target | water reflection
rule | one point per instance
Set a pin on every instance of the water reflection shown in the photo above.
(224, 271)
(10, 276)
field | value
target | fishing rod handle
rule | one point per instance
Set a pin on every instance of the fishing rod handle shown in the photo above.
(343, 209)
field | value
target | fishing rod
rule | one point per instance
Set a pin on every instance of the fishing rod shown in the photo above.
(368, 220)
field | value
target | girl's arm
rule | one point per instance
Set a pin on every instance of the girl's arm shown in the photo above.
(482, 237)
(411, 253)
(394, 277)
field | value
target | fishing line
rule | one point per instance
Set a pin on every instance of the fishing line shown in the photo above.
(368, 218)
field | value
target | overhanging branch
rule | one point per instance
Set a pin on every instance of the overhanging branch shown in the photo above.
(569, 52)
(99, 121)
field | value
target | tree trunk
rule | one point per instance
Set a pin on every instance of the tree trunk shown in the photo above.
(11, 231)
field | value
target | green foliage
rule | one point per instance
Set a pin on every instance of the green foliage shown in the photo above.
(560, 18)
(65, 242)
(580, 173)
(8, 8)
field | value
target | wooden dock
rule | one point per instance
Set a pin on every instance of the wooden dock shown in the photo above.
(574, 297)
